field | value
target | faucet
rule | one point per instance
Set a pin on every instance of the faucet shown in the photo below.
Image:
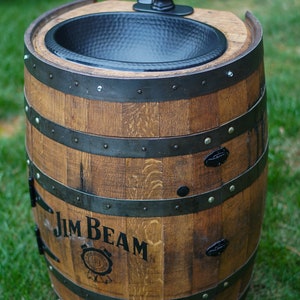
(162, 6)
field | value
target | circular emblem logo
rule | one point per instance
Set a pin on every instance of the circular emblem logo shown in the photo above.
(97, 260)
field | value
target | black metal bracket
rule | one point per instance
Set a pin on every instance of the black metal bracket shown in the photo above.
(36, 198)
(217, 248)
(163, 6)
(32, 192)
(42, 246)
(217, 158)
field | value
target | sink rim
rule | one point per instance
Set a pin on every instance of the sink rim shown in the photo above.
(145, 66)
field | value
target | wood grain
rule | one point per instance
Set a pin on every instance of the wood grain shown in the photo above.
(155, 257)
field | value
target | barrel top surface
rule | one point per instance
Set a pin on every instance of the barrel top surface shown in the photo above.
(235, 30)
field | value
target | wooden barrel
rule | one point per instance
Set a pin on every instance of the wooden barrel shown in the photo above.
(147, 185)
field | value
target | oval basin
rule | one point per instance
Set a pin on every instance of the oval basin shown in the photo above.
(136, 41)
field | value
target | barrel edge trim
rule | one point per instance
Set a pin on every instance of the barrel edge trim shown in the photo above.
(205, 294)
(150, 208)
(150, 89)
(148, 147)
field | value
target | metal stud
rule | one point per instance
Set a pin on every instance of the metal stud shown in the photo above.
(37, 120)
(225, 284)
(38, 175)
(144, 149)
(175, 147)
(50, 268)
(26, 56)
(211, 199)
(145, 208)
(105, 146)
(231, 130)
(76, 83)
(139, 91)
(229, 73)
(26, 108)
(107, 206)
(205, 296)
(28, 162)
(207, 141)
(99, 88)
(174, 87)
(51, 76)
(76, 140)
(232, 188)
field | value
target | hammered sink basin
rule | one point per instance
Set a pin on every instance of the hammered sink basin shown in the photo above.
(135, 41)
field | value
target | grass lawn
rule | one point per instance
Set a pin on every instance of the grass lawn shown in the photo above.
(277, 272)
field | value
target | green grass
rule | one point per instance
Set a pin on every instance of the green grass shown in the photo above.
(277, 271)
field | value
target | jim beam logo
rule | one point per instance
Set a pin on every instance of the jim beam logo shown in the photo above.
(99, 261)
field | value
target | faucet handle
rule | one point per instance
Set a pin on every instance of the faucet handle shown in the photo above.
(163, 5)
